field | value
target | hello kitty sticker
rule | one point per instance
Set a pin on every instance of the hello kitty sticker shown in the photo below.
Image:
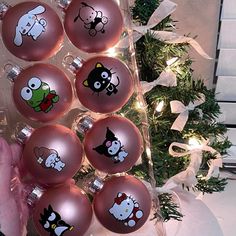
(49, 158)
(30, 25)
(100, 79)
(93, 20)
(126, 209)
(51, 221)
(112, 148)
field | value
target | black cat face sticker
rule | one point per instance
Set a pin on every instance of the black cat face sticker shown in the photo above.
(112, 148)
(94, 21)
(51, 221)
(100, 79)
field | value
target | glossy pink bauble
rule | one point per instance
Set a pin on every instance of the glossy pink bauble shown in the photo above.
(123, 205)
(32, 31)
(42, 92)
(65, 210)
(52, 154)
(113, 144)
(104, 84)
(92, 25)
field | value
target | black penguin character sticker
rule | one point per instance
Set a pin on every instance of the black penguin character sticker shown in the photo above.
(51, 221)
(112, 148)
(100, 79)
(94, 21)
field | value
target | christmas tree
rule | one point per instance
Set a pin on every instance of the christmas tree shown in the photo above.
(157, 59)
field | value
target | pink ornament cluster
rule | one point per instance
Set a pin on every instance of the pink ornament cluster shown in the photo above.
(42, 92)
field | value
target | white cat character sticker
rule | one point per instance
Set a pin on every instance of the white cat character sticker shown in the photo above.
(30, 25)
(126, 209)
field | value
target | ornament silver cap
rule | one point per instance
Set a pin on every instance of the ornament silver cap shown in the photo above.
(64, 3)
(3, 9)
(76, 64)
(12, 71)
(95, 185)
(35, 195)
(23, 132)
(84, 123)
(73, 63)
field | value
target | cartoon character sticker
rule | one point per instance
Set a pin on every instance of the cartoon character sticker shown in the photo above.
(100, 78)
(93, 20)
(30, 25)
(51, 221)
(39, 96)
(126, 209)
(49, 158)
(112, 148)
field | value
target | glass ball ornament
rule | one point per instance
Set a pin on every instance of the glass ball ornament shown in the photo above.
(113, 144)
(93, 26)
(103, 84)
(123, 204)
(41, 92)
(52, 154)
(63, 210)
(32, 30)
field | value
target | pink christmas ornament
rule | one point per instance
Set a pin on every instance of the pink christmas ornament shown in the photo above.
(113, 144)
(32, 31)
(123, 204)
(104, 84)
(93, 26)
(41, 92)
(52, 154)
(65, 210)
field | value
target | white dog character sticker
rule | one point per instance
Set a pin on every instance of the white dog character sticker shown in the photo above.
(30, 25)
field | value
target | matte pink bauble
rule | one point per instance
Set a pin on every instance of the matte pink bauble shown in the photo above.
(32, 31)
(65, 210)
(113, 144)
(52, 154)
(123, 204)
(104, 84)
(42, 92)
(92, 25)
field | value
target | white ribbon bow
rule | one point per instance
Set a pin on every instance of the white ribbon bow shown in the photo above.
(165, 9)
(179, 107)
(188, 176)
(167, 78)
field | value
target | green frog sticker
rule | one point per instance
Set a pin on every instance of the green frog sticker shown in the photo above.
(39, 96)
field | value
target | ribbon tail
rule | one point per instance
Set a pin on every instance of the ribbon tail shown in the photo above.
(165, 9)
(173, 38)
(125, 42)
(180, 121)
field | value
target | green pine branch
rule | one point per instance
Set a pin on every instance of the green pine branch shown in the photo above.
(152, 57)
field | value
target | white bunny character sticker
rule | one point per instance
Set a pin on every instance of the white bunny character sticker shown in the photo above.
(30, 25)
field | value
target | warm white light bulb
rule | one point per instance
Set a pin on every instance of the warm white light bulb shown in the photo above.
(172, 61)
(138, 105)
(159, 106)
(194, 142)
(112, 52)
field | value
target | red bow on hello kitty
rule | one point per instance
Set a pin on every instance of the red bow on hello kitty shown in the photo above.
(119, 200)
